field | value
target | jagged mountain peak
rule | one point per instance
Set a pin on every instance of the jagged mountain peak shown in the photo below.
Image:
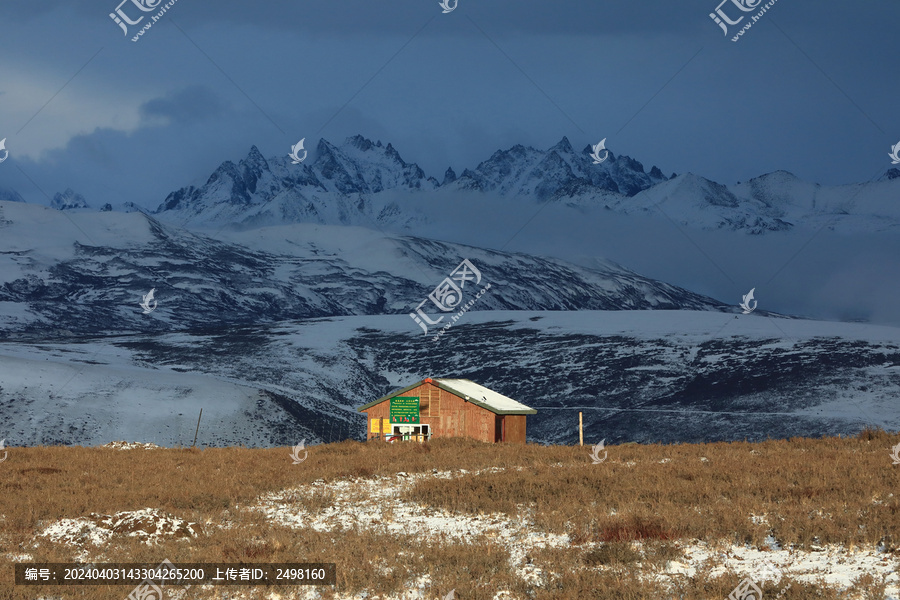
(892, 173)
(361, 142)
(333, 188)
(67, 200)
(564, 145)
(254, 155)
(449, 176)
(254, 165)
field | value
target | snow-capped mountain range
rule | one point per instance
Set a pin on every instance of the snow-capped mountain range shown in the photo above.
(359, 183)
(344, 184)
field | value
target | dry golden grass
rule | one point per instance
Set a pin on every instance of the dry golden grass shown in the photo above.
(811, 491)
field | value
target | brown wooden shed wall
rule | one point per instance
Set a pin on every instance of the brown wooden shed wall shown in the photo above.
(515, 428)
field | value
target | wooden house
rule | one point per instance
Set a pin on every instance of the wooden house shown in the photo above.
(435, 408)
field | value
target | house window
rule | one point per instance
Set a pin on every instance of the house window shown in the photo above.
(409, 433)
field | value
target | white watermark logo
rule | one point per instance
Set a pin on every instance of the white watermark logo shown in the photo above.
(895, 153)
(149, 589)
(296, 453)
(745, 304)
(595, 454)
(145, 304)
(123, 20)
(6, 152)
(746, 590)
(596, 152)
(2, 447)
(721, 18)
(294, 156)
(448, 295)
(445, 4)
(895, 454)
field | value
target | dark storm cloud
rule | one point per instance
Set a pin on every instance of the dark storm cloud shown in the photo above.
(184, 106)
(806, 90)
(396, 16)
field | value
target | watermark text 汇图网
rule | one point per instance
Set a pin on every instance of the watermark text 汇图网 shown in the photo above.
(448, 295)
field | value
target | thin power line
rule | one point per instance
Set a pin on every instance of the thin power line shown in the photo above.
(675, 410)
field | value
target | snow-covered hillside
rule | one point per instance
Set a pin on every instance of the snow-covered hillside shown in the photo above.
(69, 273)
(670, 376)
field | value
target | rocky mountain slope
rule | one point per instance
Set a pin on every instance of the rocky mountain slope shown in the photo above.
(668, 376)
(91, 270)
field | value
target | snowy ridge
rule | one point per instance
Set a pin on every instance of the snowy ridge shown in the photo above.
(90, 274)
(777, 201)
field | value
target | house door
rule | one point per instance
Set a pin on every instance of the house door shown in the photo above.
(499, 429)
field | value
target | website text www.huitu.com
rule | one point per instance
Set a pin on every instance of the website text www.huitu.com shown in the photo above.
(154, 19)
(754, 19)
(462, 311)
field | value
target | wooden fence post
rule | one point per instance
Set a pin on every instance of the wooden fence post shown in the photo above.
(196, 431)
(580, 431)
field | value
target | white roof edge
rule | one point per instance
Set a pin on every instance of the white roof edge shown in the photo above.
(487, 396)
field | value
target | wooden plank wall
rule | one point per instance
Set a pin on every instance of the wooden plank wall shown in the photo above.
(515, 428)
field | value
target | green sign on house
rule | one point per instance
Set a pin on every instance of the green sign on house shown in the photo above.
(405, 409)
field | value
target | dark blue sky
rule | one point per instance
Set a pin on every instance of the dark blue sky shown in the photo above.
(811, 88)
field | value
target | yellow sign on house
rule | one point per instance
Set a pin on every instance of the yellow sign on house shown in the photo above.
(376, 426)
(385, 425)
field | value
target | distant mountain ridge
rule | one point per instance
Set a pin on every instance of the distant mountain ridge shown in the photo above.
(558, 173)
(341, 185)
(359, 182)
(347, 185)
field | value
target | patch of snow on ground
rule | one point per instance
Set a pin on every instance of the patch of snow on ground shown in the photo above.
(373, 503)
(364, 502)
(832, 566)
(149, 525)
(130, 446)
